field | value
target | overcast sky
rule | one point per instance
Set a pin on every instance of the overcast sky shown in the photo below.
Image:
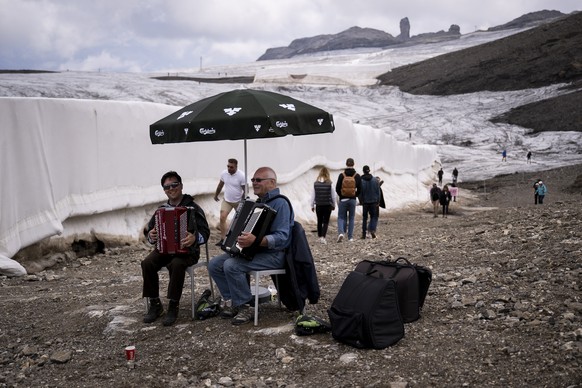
(160, 35)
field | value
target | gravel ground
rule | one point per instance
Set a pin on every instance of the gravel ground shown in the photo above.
(504, 308)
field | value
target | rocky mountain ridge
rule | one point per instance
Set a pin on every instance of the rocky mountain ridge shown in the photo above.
(357, 37)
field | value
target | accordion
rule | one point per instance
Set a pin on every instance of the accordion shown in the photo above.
(172, 226)
(252, 217)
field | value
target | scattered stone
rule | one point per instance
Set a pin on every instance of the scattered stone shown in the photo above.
(61, 356)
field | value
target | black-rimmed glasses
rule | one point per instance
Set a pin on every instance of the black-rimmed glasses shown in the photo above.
(259, 180)
(172, 185)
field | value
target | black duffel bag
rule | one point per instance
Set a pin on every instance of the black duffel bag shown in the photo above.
(412, 283)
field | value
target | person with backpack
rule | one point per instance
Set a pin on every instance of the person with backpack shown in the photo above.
(370, 200)
(323, 200)
(348, 188)
(435, 194)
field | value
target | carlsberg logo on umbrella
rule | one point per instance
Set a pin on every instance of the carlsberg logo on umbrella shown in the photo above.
(207, 131)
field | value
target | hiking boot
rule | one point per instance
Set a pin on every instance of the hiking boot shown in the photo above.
(172, 313)
(227, 310)
(363, 236)
(243, 316)
(155, 310)
(373, 234)
(340, 238)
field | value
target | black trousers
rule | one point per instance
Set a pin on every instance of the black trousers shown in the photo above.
(176, 265)
(323, 213)
(445, 209)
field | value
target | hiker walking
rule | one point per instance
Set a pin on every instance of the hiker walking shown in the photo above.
(370, 200)
(348, 188)
(541, 191)
(435, 193)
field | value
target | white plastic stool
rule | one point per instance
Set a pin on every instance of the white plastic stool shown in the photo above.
(256, 275)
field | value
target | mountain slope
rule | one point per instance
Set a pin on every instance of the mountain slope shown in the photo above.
(545, 55)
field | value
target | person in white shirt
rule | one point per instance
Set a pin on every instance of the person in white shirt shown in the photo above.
(233, 181)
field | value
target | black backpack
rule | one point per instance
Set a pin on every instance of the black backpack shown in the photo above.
(365, 312)
(412, 283)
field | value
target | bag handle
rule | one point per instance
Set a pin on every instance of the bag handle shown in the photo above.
(403, 258)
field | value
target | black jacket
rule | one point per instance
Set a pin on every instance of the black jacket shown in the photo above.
(445, 197)
(300, 280)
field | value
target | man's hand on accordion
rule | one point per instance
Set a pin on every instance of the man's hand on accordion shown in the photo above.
(153, 235)
(246, 239)
(187, 241)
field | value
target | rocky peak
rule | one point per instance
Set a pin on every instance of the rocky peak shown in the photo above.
(404, 29)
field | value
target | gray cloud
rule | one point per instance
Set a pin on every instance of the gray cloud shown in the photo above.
(160, 35)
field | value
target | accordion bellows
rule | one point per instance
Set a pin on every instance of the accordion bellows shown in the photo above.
(172, 226)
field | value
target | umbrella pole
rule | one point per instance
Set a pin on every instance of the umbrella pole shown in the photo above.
(246, 175)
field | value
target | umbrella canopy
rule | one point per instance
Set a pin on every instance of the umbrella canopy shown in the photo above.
(241, 114)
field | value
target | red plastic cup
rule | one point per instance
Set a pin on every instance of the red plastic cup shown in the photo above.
(130, 353)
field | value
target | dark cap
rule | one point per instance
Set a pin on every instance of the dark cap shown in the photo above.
(366, 169)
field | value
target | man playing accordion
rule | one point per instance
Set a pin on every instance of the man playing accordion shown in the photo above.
(230, 272)
(196, 233)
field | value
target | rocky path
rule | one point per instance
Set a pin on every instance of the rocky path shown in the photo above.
(504, 309)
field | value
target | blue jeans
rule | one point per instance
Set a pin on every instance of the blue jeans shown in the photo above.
(230, 273)
(345, 209)
(373, 210)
